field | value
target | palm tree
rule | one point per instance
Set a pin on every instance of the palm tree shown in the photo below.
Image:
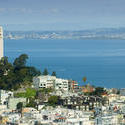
(84, 79)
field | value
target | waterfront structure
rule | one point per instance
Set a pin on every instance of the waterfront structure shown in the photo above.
(1, 43)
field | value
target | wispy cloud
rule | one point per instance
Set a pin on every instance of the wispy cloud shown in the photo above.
(29, 11)
(15, 10)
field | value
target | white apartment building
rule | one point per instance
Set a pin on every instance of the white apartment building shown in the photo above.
(1, 43)
(61, 84)
(50, 82)
(44, 81)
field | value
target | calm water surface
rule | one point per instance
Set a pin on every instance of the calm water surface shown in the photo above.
(101, 61)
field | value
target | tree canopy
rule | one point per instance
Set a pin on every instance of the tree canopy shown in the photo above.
(45, 72)
(53, 73)
(14, 75)
(53, 100)
(20, 61)
(19, 106)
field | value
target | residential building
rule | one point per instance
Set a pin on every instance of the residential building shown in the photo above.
(108, 119)
(61, 84)
(85, 103)
(73, 86)
(122, 92)
(12, 102)
(50, 82)
(44, 81)
(88, 88)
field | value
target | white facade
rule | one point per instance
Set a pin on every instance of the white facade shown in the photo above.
(107, 120)
(50, 82)
(61, 84)
(1, 42)
(12, 102)
(44, 81)
(4, 96)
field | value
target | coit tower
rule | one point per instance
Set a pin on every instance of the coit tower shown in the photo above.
(1, 42)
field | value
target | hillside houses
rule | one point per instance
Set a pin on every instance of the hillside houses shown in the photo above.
(72, 104)
(85, 103)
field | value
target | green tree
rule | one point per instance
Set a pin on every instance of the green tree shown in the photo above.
(45, 72)
(99, 91)
(19, 107)
(33, 71)
(4, 60)
(54, 73)
(53, 100)
(5, 66)
(20, 61)
(30, 93)
(16, 75)
(6, 73)
(46, 90)
(31, 103)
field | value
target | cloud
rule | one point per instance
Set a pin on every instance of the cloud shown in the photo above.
(15, 10)
(28, 11)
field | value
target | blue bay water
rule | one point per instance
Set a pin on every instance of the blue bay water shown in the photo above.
(101, 61)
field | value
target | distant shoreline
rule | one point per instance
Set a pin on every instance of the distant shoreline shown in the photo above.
(118, 33)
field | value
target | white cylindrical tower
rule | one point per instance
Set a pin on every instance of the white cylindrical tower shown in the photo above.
(1, 43)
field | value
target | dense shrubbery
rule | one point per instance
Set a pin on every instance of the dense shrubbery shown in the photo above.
(53, 100)
(34, 94)
(29, 93)
(99, 91)
(13, 76)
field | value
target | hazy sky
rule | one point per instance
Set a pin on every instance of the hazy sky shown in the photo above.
(63, 14)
